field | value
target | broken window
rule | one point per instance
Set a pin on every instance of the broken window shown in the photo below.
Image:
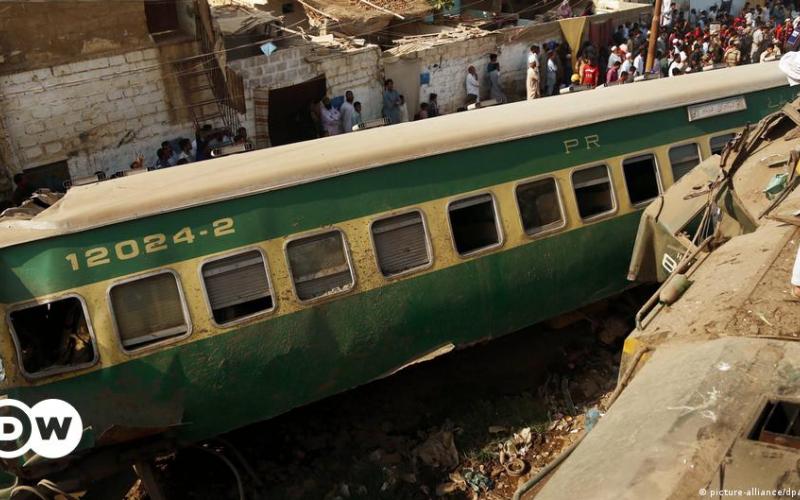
(237, 286)
(641, 178)
(474, 224)
(778, 423)
(319, 265)
(401, 243)
(719, 142)
(683, 159)
(53, 337)
(539, 205)
(593, 191)
(149, 310)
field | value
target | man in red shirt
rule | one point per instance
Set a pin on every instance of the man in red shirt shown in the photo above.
(590, 73)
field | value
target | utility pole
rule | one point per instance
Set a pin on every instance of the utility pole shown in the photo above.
(651, 46)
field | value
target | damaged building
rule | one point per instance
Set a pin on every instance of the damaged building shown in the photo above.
(87, 87)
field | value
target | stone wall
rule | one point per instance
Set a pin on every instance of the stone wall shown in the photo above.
(95, 114)
(356, 70)
(45, 33)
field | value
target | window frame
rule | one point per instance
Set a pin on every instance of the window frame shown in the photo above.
(698, 145)
(497, 222)
(614, 202)
(234, 253)
(733, 132)
(564, 215)
(428, 243)
(660, 184)
(347, 255)
(156, 343)
(18, 347)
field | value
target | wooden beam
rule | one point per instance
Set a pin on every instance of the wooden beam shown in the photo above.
(325, 14)
(395, 14)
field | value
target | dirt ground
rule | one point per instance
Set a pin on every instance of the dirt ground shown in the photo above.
(472, 424)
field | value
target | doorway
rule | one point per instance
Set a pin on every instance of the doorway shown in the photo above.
(289, 117)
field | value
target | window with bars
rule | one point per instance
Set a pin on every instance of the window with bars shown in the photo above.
(237, 286)
(320, 265)
(148, 310)
(401, 243)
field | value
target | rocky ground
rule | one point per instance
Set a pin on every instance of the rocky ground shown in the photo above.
(471, 424)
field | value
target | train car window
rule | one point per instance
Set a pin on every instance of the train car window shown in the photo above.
(148, 310)
(539, 205)
(401, 243)
(320, 265)
(474, 224)
(641, 178)
(593, 191)
(719, 142)
(683, 159)
(237, 286)
(54, 337)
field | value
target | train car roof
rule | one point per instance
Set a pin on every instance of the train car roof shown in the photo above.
(194, 184)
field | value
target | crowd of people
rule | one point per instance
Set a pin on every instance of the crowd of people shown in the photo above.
(687, 42)
(183, 150)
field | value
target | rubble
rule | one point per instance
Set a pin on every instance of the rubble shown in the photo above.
(388, 440)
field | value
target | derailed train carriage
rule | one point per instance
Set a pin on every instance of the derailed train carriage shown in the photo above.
(176, 305)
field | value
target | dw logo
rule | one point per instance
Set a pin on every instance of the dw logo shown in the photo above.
(55, 428)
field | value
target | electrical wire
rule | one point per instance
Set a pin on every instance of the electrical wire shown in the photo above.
(199, 57)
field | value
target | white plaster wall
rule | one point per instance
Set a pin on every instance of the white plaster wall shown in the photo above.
(96, 114)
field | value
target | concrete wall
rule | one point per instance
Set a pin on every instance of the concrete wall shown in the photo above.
(357, 70)
(95, 114)
(42, 34)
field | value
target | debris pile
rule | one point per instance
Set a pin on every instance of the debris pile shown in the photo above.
(426, 433)
(414, 43)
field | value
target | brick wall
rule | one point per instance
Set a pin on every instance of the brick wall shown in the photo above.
(358, 70)
(96, 114)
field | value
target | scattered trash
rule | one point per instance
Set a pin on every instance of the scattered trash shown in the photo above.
(477, 481)
(723, 366)
(591, 419)
(516, 467)
(776, 185)
(438, 451)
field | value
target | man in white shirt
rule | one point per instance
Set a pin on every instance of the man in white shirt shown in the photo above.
(473, 86)
(331, 119)
(638, 62)
(615, 56)
(347, 111)
(552, 74)
(627, 65)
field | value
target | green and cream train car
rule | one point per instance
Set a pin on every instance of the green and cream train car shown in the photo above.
(186, 302)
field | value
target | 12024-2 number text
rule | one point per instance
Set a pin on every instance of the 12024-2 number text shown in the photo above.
(152, 243)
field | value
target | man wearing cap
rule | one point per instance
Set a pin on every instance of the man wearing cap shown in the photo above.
(532, 77)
